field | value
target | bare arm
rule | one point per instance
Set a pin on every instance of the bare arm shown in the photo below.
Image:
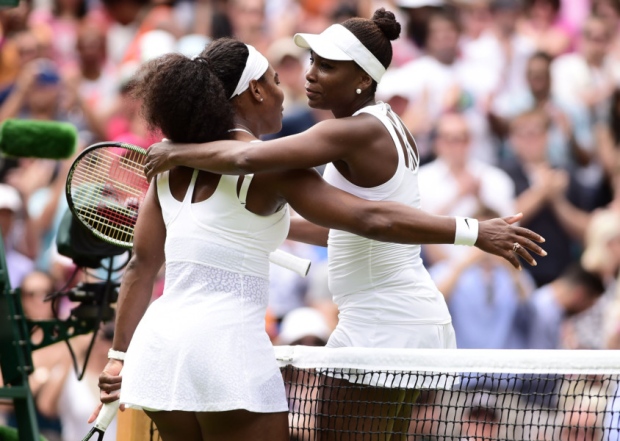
(136, 287)
(330, 207)
(327, 141)
(572, 219)
(447, 283)
(306, 232)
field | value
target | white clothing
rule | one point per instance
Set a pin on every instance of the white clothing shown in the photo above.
(377, 283)
(571, 76)
(75, 404)
(202, 346)
(488, 52)
(439, 189)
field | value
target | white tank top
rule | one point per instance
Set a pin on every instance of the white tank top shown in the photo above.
(374, 281)
(219, 232)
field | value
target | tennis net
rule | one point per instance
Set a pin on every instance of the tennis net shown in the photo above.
(348, 394)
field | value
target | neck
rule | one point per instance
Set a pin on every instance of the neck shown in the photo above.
(360, 102)
(244, 129)
(561, 293)
(91, 72)
(541, 96)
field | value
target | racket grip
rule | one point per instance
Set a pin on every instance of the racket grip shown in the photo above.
(106, 415)
(287, 260)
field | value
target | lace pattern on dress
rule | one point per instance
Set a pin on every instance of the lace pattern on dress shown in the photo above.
(190, 276)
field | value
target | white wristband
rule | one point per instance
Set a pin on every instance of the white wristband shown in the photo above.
(116, 355)
(466, 231)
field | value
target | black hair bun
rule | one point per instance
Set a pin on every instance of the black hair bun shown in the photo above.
(386, 21)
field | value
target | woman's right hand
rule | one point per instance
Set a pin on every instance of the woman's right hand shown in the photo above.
(157, 159)
(503, 238)
(109, 385)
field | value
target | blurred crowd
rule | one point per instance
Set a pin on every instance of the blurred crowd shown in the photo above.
(514, 105)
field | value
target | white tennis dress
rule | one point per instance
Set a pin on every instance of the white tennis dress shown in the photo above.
(202, 346)
(385, 296)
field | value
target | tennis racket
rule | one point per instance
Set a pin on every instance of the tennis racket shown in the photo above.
(105, 417)
(106, 186)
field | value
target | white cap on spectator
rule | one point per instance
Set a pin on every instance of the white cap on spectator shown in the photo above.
(155, 43)
(10, 198)
(283, 47)
(418, 3)
(192, 45)
(303, 322)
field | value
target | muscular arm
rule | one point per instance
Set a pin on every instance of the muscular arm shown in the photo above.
(330, 207)
(147, 259)
(303, 231)
(136, 289)
(327, 141)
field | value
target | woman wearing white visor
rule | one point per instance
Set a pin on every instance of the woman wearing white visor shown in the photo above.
(386, 298)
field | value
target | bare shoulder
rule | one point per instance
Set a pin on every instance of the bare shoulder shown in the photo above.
(356, 129)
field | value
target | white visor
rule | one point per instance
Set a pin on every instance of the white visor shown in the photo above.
(255, 67)
(339, 44)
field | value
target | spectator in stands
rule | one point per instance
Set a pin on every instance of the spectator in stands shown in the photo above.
(248, 23)
(587, 77)
(541, 23)
(551, 199)
(47, 361)
(597, 328)
(583, 413)
(416, 14)
(59, 27)
(71, 400)
(288, 60)
(304, 326)
(15, 53)
(481, 419)
(11, 208)
(607, 136)
(484, 297)
(501, 49)
(130, 20)
(547, 309)
(443, 83)
(93, 82)
(456, 182)
(40, 93)
(570, 133)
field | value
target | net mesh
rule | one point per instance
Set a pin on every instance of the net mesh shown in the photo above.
(422, 395)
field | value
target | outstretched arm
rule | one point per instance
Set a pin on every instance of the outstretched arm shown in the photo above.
(327, 141)
(136, 288)
(304, 231)
(322, 204)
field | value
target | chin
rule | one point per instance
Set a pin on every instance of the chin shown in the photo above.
(317, 105)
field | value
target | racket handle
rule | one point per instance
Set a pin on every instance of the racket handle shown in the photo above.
(106, 415)
(287, 260)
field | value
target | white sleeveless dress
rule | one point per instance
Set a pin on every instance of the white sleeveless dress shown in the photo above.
(385, 296)
(202, 346)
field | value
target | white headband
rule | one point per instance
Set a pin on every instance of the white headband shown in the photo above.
(255, 68)
(338, 43)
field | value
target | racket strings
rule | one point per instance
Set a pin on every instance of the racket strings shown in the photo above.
(107, 188)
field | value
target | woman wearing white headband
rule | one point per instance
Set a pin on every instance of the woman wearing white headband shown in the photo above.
(373, 156)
